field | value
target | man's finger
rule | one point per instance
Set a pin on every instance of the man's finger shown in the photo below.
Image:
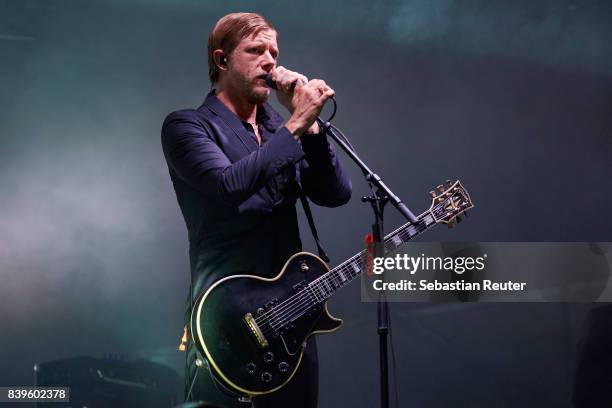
(325, 96)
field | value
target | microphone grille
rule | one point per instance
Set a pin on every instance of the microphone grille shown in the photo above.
(270, 82)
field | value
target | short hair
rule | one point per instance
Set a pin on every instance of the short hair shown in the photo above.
(228, 32)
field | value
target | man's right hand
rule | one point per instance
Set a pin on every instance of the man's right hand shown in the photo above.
(308, 101)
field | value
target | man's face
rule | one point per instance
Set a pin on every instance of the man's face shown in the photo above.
(252, 59)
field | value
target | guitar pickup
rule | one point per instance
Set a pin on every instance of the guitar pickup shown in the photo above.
(255, 330)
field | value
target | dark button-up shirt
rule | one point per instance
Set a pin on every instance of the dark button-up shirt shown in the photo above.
(238, 198)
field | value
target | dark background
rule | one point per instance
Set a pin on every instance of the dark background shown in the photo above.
(512, 98)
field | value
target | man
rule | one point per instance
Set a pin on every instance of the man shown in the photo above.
(238, 170)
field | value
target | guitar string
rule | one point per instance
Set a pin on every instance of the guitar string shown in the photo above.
(305, 304)
(309, 296)
(343, 266)
(298, 309)
(346, 267)
(302, 301)
(335, 282)
(317, 284)
(330, 282)
(293, 314)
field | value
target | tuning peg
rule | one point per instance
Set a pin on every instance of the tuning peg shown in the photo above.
(458, 218)
(465, 213)
(432, 194)
(449, 183)
(441, 188)
(450, 225)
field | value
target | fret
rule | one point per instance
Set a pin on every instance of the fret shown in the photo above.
(428, 219)
(405, 236)
(344, 273)
(313, 294)
(397, 241)
(326, 286)
(321, 292)
(389, 246)
(356, 269)
(338, 280)
(334, 281)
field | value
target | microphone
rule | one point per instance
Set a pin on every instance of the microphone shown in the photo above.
(272, 83)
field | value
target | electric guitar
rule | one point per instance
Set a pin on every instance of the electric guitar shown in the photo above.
(253, 330)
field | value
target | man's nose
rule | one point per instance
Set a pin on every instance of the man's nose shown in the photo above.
(269, 61)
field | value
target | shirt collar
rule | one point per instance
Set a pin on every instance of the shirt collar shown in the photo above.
(266, 115)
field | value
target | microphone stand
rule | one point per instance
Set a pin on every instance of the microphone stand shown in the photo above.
(378, 200)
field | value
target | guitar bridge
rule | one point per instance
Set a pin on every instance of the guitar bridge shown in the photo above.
(255, 330)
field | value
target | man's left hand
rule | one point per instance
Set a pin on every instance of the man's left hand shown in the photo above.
(286, 82)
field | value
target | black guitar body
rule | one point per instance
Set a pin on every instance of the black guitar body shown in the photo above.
(253, 330)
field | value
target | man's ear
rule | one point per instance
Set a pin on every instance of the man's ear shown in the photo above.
(220, 59)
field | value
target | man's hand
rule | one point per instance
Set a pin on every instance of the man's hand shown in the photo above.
(286, 82)
(307, 102)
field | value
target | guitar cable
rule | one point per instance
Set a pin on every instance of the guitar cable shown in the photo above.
(197, 371)
(199, 363)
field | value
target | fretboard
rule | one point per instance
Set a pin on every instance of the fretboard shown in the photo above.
(326, 285)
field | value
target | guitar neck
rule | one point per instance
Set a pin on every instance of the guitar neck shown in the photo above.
(340, 276)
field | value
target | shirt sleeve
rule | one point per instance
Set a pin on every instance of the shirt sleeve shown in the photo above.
(193, 155)
(323, 178)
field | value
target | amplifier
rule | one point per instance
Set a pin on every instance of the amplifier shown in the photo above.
(110, 383)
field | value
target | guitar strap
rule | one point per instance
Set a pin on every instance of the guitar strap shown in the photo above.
(313, 228)
(185, 338)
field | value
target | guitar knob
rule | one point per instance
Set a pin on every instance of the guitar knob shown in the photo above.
(268, 357)
(441, 188)
(283, 366)
(251, 368)
(432, 194)
(266, 377)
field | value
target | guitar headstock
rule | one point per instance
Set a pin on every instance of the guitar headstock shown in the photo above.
(448, 202)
